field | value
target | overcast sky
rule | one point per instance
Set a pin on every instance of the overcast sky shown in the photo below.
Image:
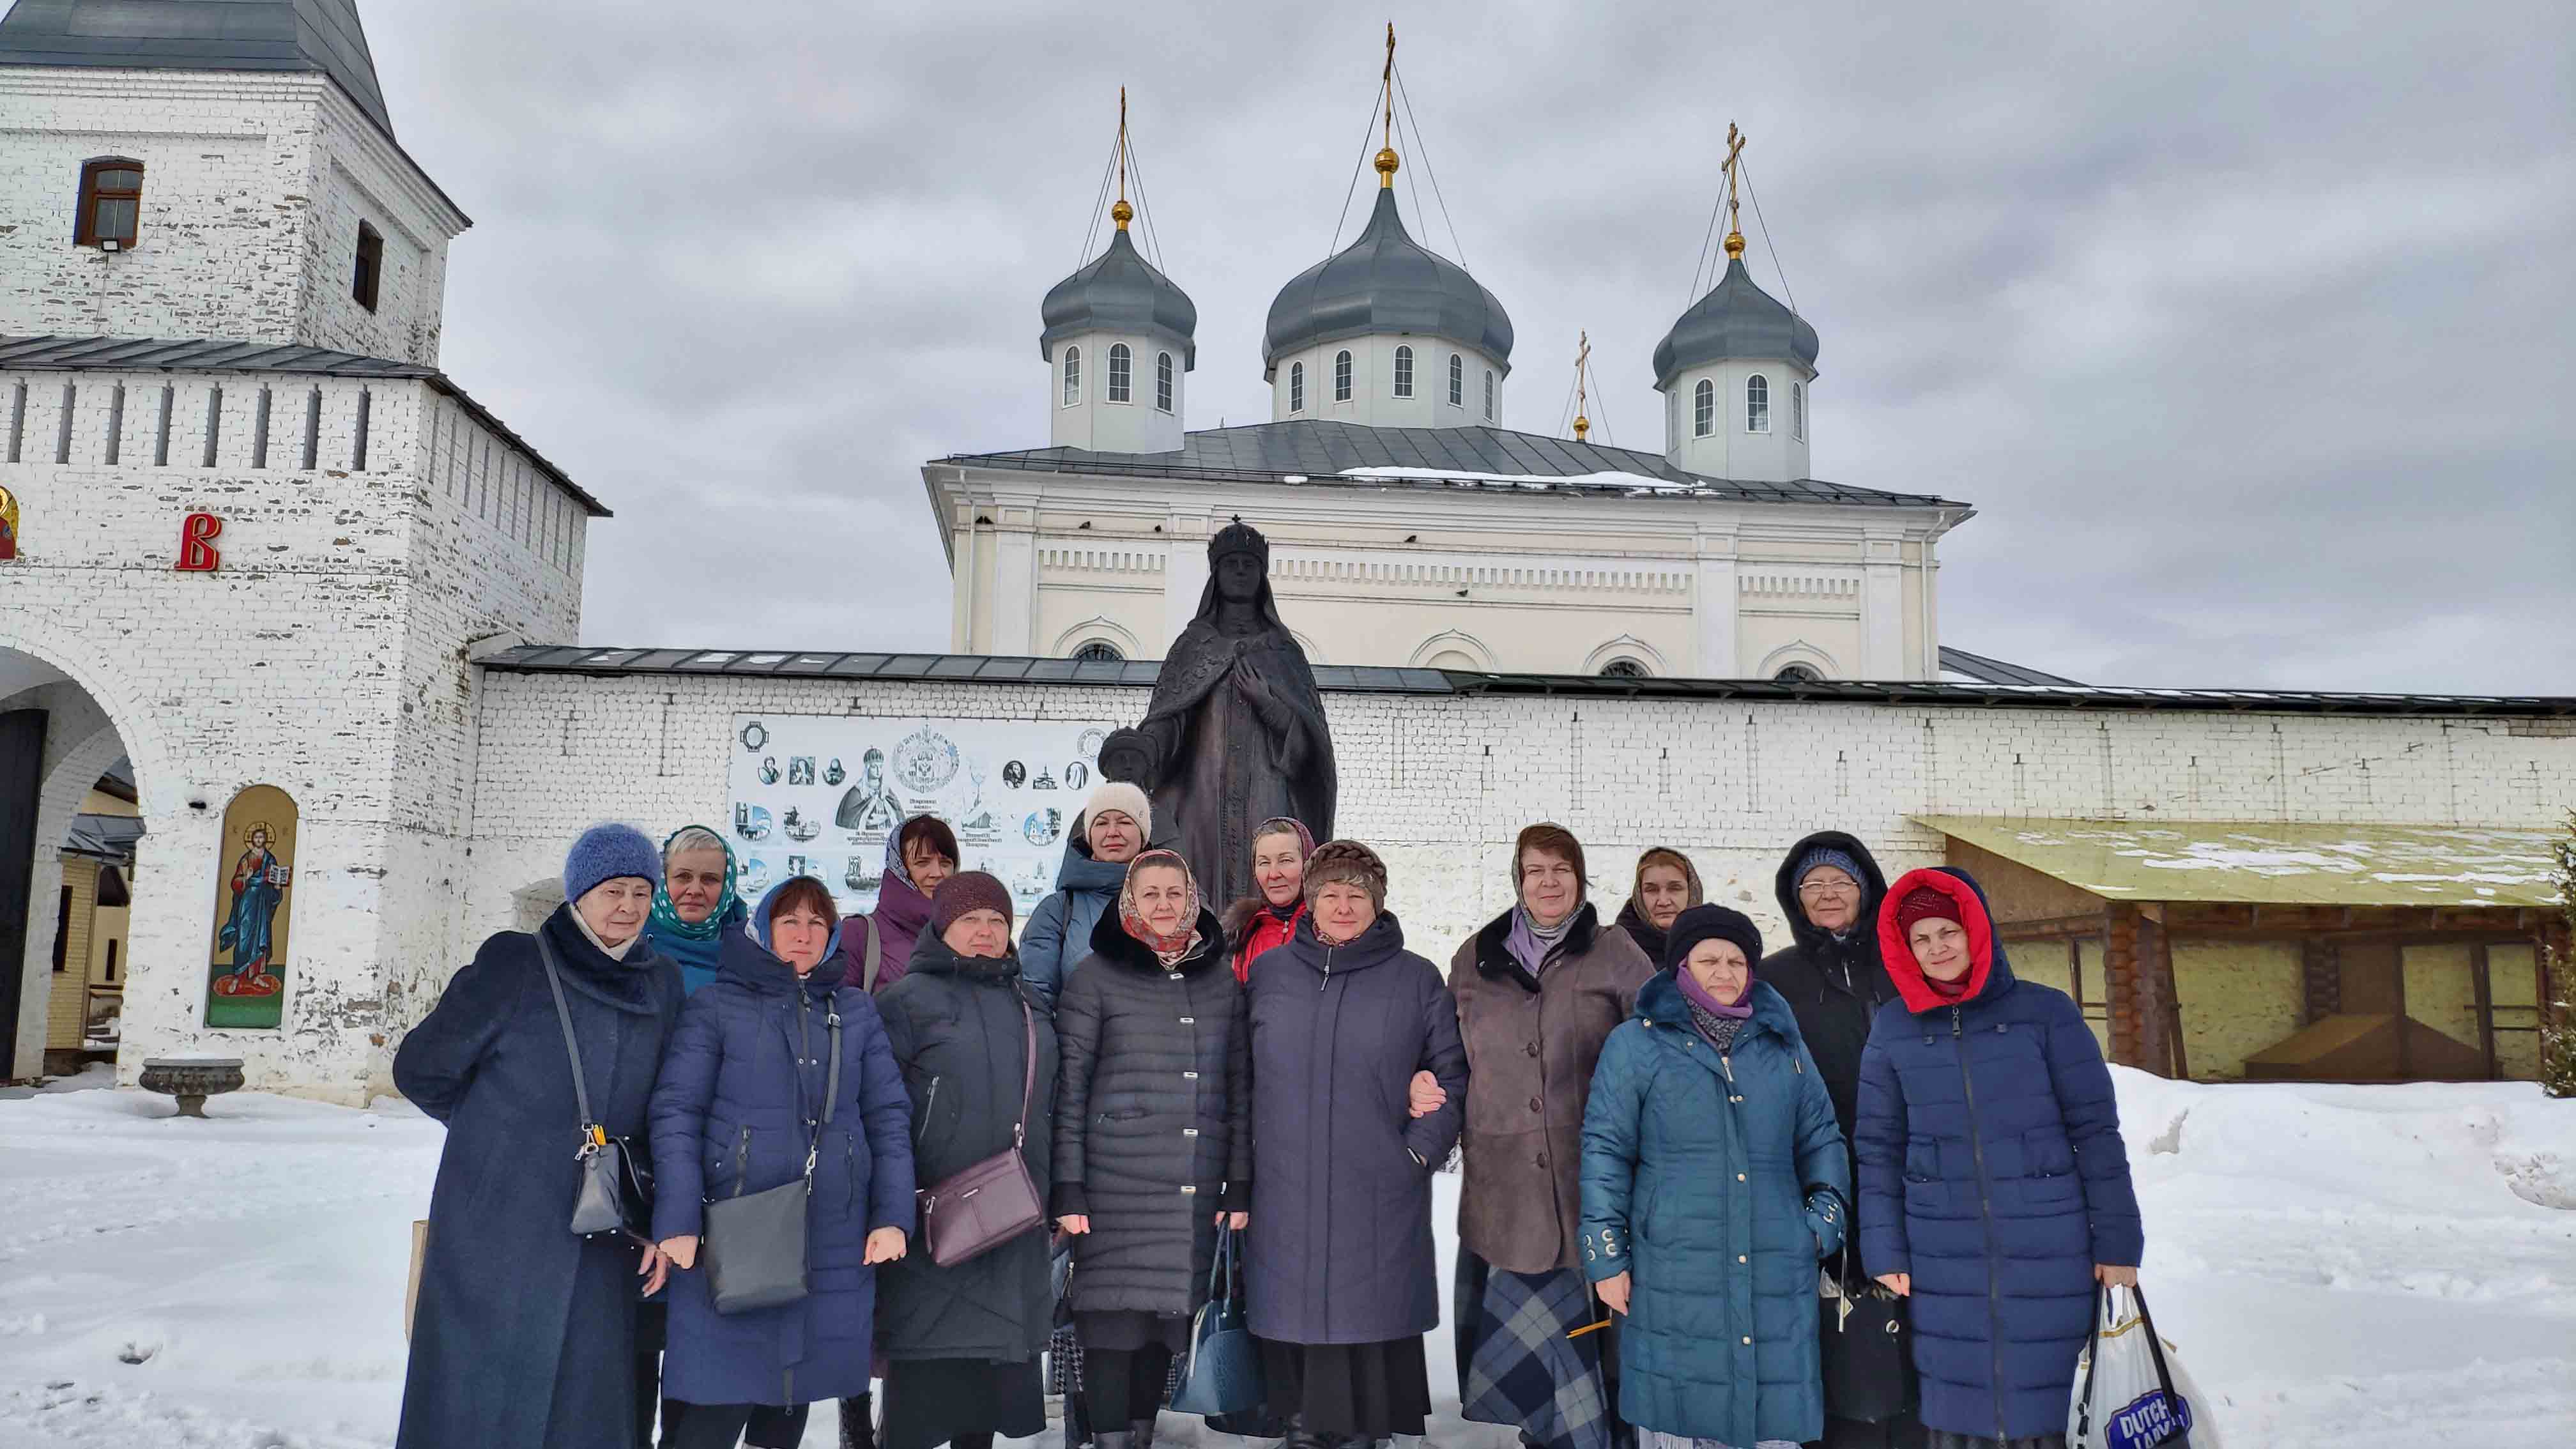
(2250, 332)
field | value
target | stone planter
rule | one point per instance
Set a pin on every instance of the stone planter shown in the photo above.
(192, 1080)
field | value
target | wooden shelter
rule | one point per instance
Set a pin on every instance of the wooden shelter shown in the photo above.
(2270, 951)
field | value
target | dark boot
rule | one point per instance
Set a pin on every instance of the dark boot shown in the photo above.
(857, 1429)
(1301, 1437)
(1114, 1439)
(1141, 1432)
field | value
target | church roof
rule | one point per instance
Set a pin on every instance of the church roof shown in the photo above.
(889, 666)
(288, 35)
(1735, 320)
(1386, 283)
(1314, 451)
(1119, 291)
(146, 354)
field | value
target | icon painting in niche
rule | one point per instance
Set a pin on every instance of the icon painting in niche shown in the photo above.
(246, 971)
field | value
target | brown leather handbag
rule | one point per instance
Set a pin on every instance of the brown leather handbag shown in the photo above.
(985, 1204)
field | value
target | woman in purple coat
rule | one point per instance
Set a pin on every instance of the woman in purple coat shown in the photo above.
(1339, 1274)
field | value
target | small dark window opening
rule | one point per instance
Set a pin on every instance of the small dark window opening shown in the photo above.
(1623, 669)
(371, 266)
(1799, 674)
(62, 927)
(1098, 651)
(111, 203)
(111, 959)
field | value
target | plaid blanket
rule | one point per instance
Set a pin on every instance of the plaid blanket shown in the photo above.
(1515, 1364)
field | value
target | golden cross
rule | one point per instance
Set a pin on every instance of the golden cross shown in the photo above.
(1734, 208)
(1582, 360)
(1387, 79)
(1121, 212)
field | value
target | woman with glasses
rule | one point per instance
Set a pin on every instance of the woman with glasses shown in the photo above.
(1829, 888)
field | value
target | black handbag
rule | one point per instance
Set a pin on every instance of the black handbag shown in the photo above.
(616, 1192)
(1222, 1373)
(755, 1241)
(1867, 1342)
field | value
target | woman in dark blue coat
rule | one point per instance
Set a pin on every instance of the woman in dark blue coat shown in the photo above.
(739, 1110)
(1994, 1189)
(524, 1334)
(1714, 1178)
(1339, 1272)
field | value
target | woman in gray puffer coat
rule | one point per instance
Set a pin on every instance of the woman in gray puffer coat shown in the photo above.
(1153, 1135)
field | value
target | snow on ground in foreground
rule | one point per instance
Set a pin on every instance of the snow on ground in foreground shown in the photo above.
(2361, 1267)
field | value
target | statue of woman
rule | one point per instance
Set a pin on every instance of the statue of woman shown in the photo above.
(1235, 734)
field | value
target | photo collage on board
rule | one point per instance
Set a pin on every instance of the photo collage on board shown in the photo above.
(822, 795)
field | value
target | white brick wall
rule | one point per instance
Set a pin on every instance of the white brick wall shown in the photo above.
(1441, 785)
(327, 657)
(253, 187)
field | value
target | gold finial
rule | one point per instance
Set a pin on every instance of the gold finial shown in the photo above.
(1734, 208)
(1386, 159)
(1582, 365)
(1120, 212)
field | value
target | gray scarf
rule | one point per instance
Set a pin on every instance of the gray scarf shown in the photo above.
(1533, 947)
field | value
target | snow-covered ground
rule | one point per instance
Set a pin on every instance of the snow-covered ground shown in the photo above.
(2360, 1267)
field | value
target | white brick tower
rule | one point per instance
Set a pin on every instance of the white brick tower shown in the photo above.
(220, 288)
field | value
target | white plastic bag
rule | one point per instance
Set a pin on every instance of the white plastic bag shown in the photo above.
(2130, 1388)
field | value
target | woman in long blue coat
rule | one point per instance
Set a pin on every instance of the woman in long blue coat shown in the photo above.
(524, 1334)
(1994, 1189)
(1714, 1179)
(739, 1110)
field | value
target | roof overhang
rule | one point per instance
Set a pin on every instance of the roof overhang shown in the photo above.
(2243, 862)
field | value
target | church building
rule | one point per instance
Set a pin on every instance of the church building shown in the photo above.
(1409, 524)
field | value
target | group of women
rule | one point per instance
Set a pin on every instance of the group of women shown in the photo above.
(1669, 1142)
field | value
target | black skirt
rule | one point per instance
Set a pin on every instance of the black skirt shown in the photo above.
(1127, 1330)
(929, 1401)
(1371, 1389)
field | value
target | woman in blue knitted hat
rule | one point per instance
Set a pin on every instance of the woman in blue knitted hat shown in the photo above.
(524, 1335)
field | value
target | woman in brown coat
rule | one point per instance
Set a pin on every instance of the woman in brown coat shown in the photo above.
(1539, 990)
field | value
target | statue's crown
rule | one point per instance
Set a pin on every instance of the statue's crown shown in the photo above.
(1239, 537)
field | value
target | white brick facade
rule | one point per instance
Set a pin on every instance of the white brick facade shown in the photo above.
(327, 657)
(1441, 784)
(253, 188)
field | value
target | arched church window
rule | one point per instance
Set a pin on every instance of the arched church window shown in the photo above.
(111, 202)
(1457, 381)
(1072, 376)
(1342, 376)
(1798, 411)
(1489, 394)
(1800, 674)
(1623, 669)
(1703, 408)
(1296, 387)
(1404, 372)
(1757, 404)
(1098, 651)
(1163, 381)
(1122, 373)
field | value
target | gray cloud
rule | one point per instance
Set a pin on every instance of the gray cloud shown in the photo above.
(2248, 329)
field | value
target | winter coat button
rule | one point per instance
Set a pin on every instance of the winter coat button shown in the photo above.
(1533, 1048)
(1740, 1258)
(1189, 1076)
(1739, 1177)
(1748, 1338)
(1537, 1106)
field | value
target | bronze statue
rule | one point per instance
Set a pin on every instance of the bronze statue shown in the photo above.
(1235, 733)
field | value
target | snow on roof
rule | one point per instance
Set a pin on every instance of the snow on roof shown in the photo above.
(2273, 862)
(1632, 484)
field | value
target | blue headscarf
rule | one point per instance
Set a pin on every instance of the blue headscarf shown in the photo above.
(692, 944)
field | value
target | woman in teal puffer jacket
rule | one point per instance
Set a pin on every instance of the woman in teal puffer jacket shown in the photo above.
(1714, 1179)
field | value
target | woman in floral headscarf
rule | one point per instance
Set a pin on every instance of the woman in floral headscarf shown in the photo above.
(1153, 1143)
